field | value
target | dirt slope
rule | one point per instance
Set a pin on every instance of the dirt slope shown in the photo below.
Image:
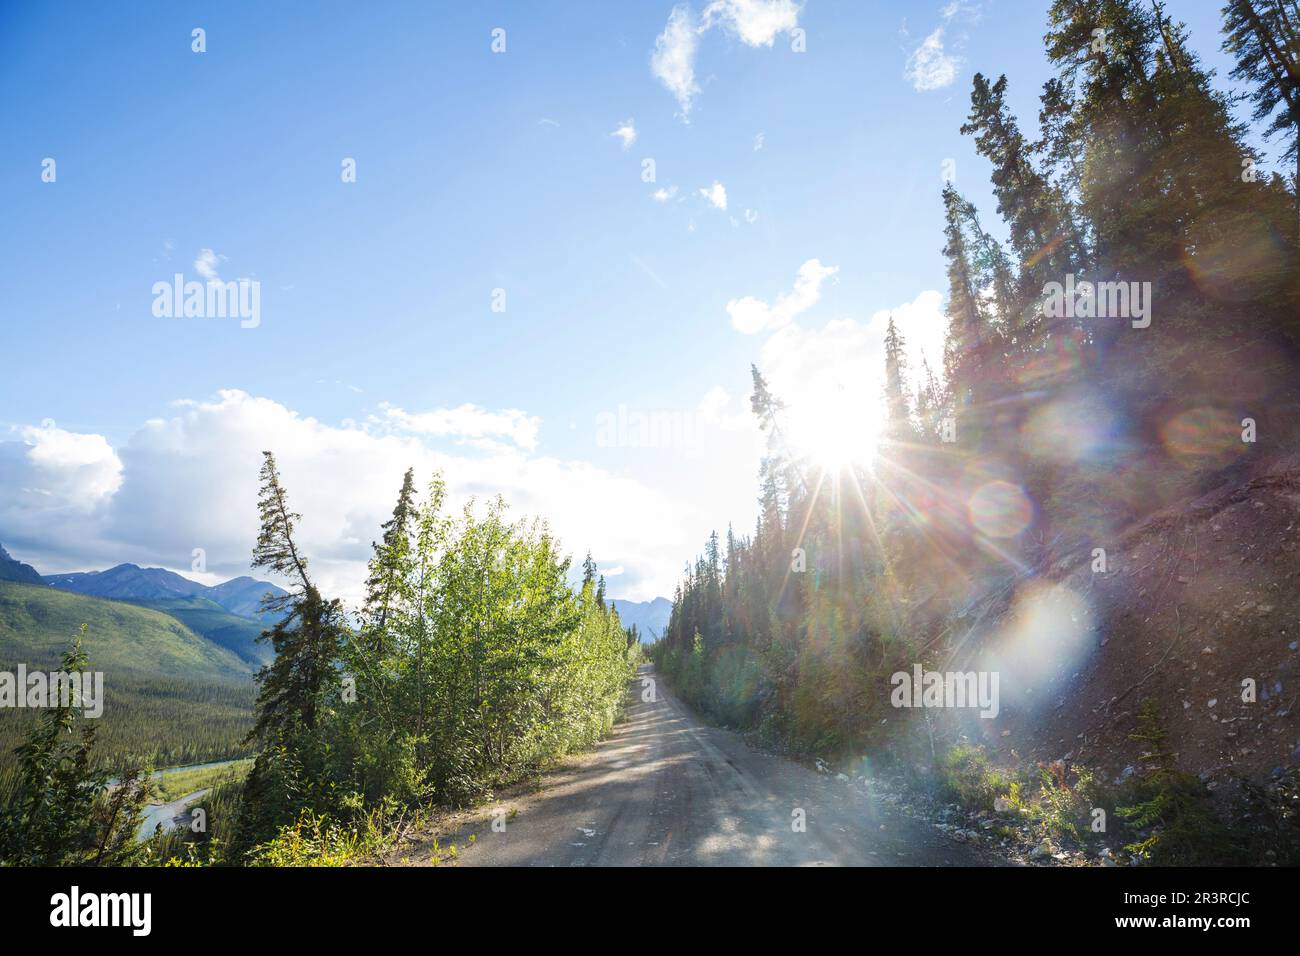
(1196, 599)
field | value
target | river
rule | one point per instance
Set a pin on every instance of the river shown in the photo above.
(172, 814)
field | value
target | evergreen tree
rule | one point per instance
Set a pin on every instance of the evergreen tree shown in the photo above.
(389, 567)
(1264, 37)
(897, 411)
(307, 639)
(1044, 240)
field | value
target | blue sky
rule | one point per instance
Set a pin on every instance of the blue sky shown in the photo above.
(126, 436)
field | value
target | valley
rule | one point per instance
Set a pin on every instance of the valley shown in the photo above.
(178, 667)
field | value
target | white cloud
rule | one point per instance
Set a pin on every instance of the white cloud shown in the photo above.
(205, 264)
(930, 67)
(61, 469)
(673, 59)
(794, 354)
(922, 324)
(966, 9)
(715, 194)
(663, 194)
(73, 502)
(625, 133)
(468, 422)
(755, 22)
(751, 216)
(758, 142)
(750, 315)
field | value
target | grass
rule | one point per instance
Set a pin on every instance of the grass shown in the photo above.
(320, 840)
(966, 775)
(173, 786)
(1164, 817)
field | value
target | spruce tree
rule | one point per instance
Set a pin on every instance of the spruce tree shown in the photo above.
(390, 567)
(1264, 38)
(1044, 240)
(898, 414)
(307, 639)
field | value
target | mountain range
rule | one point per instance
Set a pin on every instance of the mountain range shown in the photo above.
(240, 596)
(650, 617)
(228, 615)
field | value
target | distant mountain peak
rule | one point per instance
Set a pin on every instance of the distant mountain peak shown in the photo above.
(650, 617)
(241, 596)
(12, 569)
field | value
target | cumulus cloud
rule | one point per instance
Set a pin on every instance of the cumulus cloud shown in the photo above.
(625, 133)
(930, 67)
(750, 315)
(58, 469)
(73, 502)
(795, 352)
(663, 194)
(715, 194)
(206, 263)
(756, 23)
(467, 422)
(922, 324)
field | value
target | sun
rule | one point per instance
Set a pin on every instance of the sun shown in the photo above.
(834, 434)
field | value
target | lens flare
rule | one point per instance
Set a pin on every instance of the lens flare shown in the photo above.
(1203, 437)
(1073, 431)
(1047, 636)
(1000, 509)
(1244, 268)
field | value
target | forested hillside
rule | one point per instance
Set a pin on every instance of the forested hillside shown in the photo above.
(171, 695)
(238, 634)
(37, 622)
(1070, 415)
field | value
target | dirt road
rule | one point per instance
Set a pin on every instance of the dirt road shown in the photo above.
(665, 790)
